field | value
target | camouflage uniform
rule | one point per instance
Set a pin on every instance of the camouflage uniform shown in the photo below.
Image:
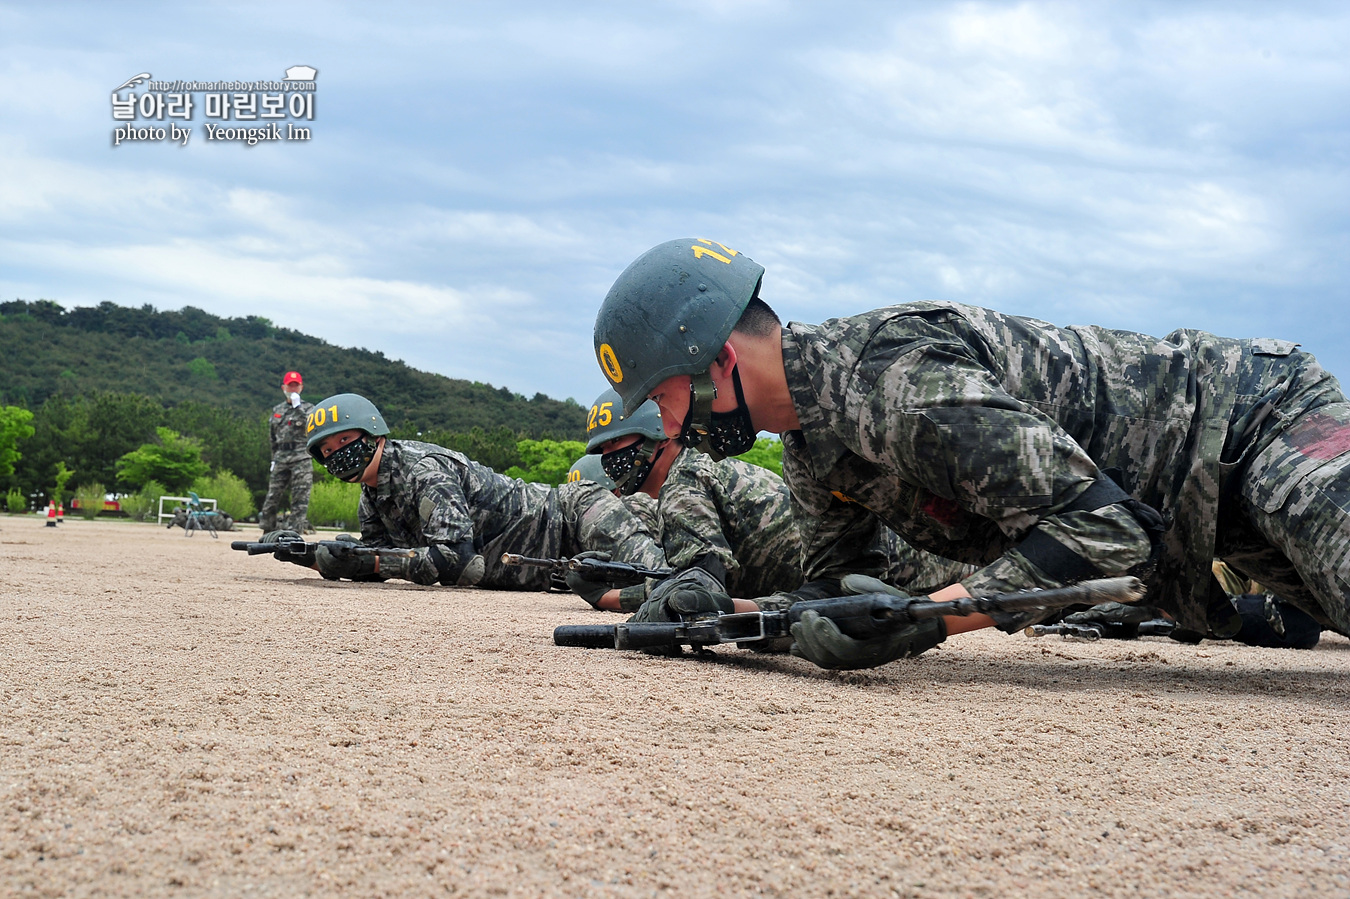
(645, 510)
(427, 495)
(291, 467)
(740, 515)
(969, 431)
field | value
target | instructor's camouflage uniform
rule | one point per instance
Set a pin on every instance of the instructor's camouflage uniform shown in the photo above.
(427, 495)
(740, 515)
(291, 467)
(969, 432)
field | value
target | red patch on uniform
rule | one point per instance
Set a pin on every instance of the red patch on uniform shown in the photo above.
(1321, 437)
(943, 511)
(276, 414)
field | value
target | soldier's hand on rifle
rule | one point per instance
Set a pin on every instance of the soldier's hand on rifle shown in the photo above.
(591, 591)
(688, 593)
(333, 563)
(286, 536)
(819, 639)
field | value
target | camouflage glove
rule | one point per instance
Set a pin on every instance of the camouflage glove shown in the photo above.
(333, 563)
(1115, 620)
(819, 639)
(303, 559)
(591, 591)
(691, 592)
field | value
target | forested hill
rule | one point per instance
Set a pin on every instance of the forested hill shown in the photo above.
(189, 355)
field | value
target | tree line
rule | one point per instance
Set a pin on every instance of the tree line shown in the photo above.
(188, 355)
(134, 400)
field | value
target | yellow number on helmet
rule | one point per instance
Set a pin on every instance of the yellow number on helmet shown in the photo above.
(700, 252)
(610, 363)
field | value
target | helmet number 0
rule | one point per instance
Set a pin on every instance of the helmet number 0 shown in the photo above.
(700, 252)
(600, 416)
(319, 417)
(610, 363)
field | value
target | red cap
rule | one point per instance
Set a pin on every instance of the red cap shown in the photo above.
(292, 376)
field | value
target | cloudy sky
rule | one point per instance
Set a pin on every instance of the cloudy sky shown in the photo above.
(480, 173)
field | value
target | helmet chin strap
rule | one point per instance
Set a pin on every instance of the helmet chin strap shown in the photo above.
(698, 421)
(719, 434)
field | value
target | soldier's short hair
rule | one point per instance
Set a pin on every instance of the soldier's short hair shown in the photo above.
(758, 320)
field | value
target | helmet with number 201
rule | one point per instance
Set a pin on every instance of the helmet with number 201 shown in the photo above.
(343, 412)
(670, 313)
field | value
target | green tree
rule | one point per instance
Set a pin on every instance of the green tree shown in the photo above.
(546, 461)
(202, 369)
(231, 440)
(63, 474)
(14, 426)
(766, 453)
(175, 462)
(89, 433)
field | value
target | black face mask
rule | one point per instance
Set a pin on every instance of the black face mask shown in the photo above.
(349, 461)
(729, 433)
(630, 466)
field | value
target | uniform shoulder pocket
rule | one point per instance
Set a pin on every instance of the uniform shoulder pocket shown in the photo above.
(1270, 346)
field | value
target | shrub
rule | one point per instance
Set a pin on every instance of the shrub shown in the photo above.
(333, 503)
(231, 494)
(90, 497)
(139, 506)
(15, 502)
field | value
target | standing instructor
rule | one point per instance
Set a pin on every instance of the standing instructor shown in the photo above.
(291, 466)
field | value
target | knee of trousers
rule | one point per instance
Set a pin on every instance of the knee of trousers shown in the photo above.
(1298, 490)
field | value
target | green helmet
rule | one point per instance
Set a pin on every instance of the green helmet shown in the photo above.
(344, 412)
(670, 313)
(605, 423)
(589, 468)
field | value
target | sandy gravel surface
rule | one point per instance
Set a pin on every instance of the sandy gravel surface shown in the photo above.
(179, 719)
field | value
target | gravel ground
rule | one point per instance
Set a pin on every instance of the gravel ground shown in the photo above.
(179, 719)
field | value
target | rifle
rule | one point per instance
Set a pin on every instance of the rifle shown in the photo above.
(861, 617)
(619, 574)
(300, 549)
(1111, 630)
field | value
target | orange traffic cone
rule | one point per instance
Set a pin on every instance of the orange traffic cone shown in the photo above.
(51, 515)
(60, 512)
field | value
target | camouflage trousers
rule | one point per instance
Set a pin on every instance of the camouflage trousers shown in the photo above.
(1289, 526)
(296, 477)
(581, 516)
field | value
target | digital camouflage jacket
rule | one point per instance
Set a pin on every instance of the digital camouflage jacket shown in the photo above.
(427, 495)
(741, 514)
(288, 432)
(964, 429)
